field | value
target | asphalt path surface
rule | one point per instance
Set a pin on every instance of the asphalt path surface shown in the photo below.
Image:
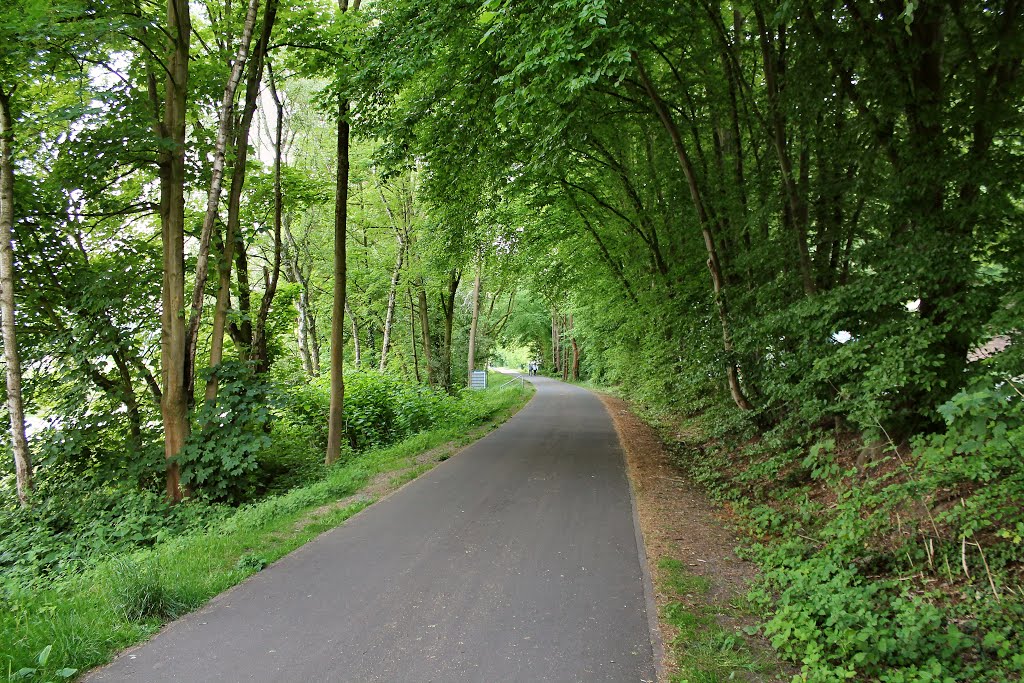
(515, 560)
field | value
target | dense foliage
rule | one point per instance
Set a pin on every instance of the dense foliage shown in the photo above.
(845, 175)
(905, 569)
(96, 549)
(798, 223)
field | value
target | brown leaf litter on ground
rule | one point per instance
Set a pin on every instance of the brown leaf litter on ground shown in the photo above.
(678, 521)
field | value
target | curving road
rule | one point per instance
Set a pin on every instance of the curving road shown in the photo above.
(515, 560)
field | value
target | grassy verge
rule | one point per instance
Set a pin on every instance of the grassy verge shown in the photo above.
(80, 621)
(703, 651)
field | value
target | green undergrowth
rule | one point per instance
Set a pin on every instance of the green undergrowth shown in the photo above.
(703, 650)
(58, 628)
(86, 509)
(885, 562)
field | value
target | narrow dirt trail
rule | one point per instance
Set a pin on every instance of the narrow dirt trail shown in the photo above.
(515, 560)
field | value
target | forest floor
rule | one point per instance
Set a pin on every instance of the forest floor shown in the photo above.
(700, 584)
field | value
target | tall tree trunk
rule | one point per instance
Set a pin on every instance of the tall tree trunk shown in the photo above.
(173, 344)
(556, 355)
(336, 417)
(253, 77)
(425, 331)
(471, 360)
(354, 322)
(575, 359)
(412, 336)
(389, 317)
(565, 349)
(302, 335)
(19, 442)
(242, 331)
(260, 353)
(226, 118)
(575, 351)
(335, 423)
(713, 263)
(306, 330)
(448, 304)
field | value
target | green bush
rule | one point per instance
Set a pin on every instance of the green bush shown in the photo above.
(910, 576)
(380, 409)
(979, 452)
(219, 459)
(839, 624)
(74, 522)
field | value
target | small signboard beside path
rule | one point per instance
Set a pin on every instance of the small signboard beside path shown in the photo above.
(478, 379)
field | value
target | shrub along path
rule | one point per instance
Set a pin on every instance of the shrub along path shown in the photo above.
(516, 560)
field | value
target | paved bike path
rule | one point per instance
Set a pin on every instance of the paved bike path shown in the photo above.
(515, 560)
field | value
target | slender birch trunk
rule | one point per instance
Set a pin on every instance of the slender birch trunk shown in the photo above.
(259, 340)
(302, 335)
(19, 442)
(471, 360)
(254, 75)
(425, 331)
(314, 344)
(389, 317)
(356, 349)
(306, 329)
(226, 119)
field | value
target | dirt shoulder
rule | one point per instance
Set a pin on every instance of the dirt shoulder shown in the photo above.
(690, 552)
(385, 483)
(388, 481)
